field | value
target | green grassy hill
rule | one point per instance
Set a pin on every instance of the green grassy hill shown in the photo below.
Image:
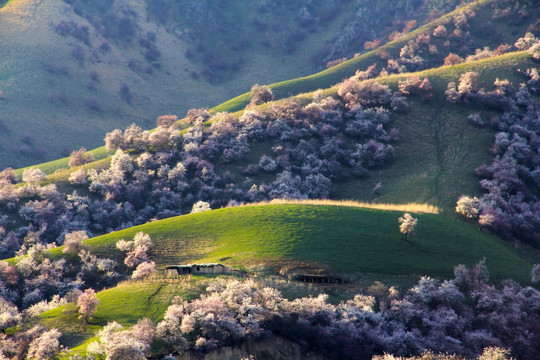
(47, 90)
(344, 239)
(125, 304)
(438, 148)
(340, 238)
(60, 98)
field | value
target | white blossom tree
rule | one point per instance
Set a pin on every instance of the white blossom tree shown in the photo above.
(78, 177)
(200, 206)
(144, 269)
(33, 176)
(87, 304)
(137, 250)
(46, 346)
(407, 224)
(73, 242)
(9, 314)
(468, 206)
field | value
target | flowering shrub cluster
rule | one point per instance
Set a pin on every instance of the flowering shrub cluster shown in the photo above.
(166, 172)
(510, 205)
(464, 316)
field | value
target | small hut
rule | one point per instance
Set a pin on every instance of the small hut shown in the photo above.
(311, 275)
(176, 270)
(212, 268)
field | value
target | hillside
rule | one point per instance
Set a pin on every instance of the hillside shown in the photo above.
(100, 65)
(348, 240)
(432, 160)
(343, 239)
(125, 303)
(438, 148)
(387, 205)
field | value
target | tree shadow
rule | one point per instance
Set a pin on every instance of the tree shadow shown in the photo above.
(408, 241)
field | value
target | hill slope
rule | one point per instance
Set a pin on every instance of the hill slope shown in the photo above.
(438, 148)
(343, 239)
(82, 68)
(348, 240)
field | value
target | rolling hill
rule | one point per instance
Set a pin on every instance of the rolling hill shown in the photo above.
(345, 239)
(433, 159)
(340, 238)
(438, 148)
(82, 68)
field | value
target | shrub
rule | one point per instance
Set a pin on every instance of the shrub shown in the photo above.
(78, 53)
(166, 120)
(335, 62)
(453, 59)
(451, 92)
(398, 102)
(73, 242)
(480, 54)
(526, 42)
(467, 83)
(501, 49)
(260, 95)
(267, 163)
(195, 116)
(440, 31)
(200, 206)
(33, 176)
(9, 175)
(93, 104)
(365, 93)
(372, 45)
(534, 51)
(9, 314)
(80, 157)
(46, 346)
(144, 269)
(468, 206)
(125, 93)
(78, 177)
(414, 85)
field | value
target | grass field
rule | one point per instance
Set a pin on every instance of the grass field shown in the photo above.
(126, 304)
(343, 239)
